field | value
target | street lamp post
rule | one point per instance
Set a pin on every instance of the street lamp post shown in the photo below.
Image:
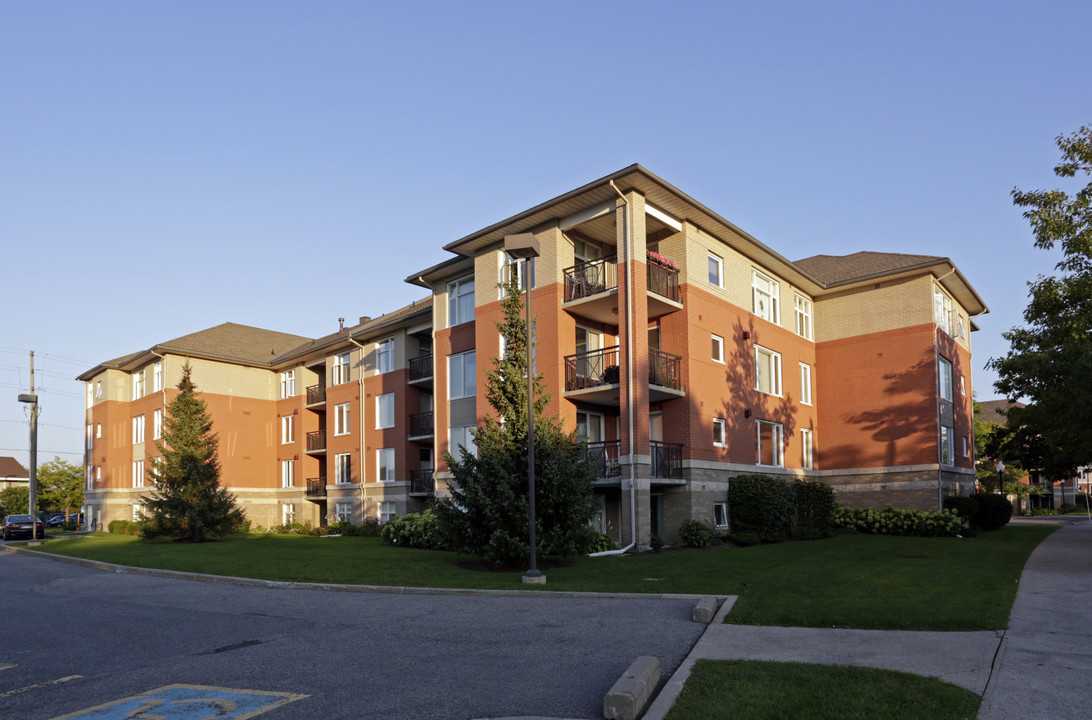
(1000, 468)
(525, 246)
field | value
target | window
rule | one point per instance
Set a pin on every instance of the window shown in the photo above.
(90, 395)
(460, 301)
(963, 385)
(384, 411)
(90, 436)
(960, 331)
(98, 430)
(942, 310)
(98, 389)
(138, 429)
(288, 513)
(341, 419)
(343, 469)
(947, 446)
(945, 379)
(288, 423)
(386, 464)
(716, 270)
(966, 447)
(513, 268)
(769, 443)
(138, 511)
(384, 355)
(765, 290)
(802, 308)
(805, 384)
(157, 376)
(806, 449)
(767, 371)
(720, 432)
(343, 512)
(157, 425)
(138, 473)
(461, 437)
(288, 384)
(718, 349)
(461, 375)
(288, 473)
(138, 384)
(720, 515)
(340, 369)
(387, 511)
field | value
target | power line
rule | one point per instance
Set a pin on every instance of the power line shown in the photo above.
(57, 358)
(40, 451)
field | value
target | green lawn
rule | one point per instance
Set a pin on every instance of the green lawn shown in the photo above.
(861, 581)
(773, 691)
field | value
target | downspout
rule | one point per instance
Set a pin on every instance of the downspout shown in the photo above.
(360, 382)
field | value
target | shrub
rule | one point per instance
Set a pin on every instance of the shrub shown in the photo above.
(994, 511)
(760, 504)
(416, 530)
(656, 543)
(696, 534)
(603, 543)
(813, 508)
(893, 521)
(745, 539)
(966, 507)
(118, 527)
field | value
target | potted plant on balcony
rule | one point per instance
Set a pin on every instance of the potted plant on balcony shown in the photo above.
(657, 259)
(610, 374)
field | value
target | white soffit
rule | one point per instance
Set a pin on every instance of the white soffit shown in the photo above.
(663, 217)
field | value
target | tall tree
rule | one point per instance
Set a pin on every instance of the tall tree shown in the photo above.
(60, 485)
(488, 511)
(188, 503)
(1049, 363)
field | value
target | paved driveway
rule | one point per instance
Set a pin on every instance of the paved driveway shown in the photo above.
(74, 637)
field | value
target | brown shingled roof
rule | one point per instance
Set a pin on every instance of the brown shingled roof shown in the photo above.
(236, 342)
(12, 468)
(993, 411)
(833, 269)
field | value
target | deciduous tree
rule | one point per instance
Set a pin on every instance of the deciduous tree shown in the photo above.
(60, 486)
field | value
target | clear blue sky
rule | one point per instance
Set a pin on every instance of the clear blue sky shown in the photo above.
(165, 167)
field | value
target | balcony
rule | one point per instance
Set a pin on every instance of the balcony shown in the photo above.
(591, 289)
(421, 482)
(664, 295)
(316, 395)
(666, 460)
(316, 441)
(316, 488)
(420, 370)
(421, 426)
(663, 376)
(605, 455)
(594, 376)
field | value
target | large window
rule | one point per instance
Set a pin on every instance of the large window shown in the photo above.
(288, 384)
(945, 379)
(802, 310)
(343, 469)
(947, 445)
(384, 411)
(806, 449)
(461, 437)
(157, 376)
(513, 268)
(138, 473)
(460, 301)
(720, 432)
(767, 371)
(770, 436)
(766, 290)
(138, 429)
(341, 369)
(716, 270)
(384, 355)
(386, 464)
(343, 512)
(942, 310)
(720, 515)
(805, 384)
(461, 375)
(387, 511)
(288, 513)
(288, 473)
(342, 425)
(288, 423)
(138, 384)
(718, 348)
(157, 424)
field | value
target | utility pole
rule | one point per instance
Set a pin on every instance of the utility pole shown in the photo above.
(32, 398)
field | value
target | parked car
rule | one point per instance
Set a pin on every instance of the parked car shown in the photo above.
(55, 521)
(16, 525)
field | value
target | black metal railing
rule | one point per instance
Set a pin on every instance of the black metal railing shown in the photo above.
(591, 369)
(316, 394)
(316, 487)
(664, 281)
(316, 441)
(666, 459)
(605, 455)
(663, 369)
(421, 424)
(421, 482)
(420, 367)
(591, 278)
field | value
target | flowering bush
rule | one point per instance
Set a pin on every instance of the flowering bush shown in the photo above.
(657, 258)
(892, 521)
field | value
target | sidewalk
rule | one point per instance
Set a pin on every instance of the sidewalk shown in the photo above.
(1038, 668)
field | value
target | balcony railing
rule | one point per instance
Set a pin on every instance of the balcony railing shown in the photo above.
(421, 482)
(591, 369)
(591, 278)
(664, 281)
(316, 441)
(605, 455)
(420, 367)
(421, 425)
(663, 369)
(666, 459)
(316, 487)
(316, 394)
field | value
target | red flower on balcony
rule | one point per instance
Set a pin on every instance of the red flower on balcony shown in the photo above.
(658, 259)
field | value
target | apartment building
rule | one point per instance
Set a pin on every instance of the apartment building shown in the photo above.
(681, 348)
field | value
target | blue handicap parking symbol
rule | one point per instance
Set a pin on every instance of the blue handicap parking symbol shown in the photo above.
(188, 702)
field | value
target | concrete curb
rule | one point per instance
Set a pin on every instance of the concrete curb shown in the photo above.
(629, 694)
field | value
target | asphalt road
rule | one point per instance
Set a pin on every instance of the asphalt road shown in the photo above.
(73, 638)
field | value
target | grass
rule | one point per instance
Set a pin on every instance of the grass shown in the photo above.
(859, 581)
(773, 691)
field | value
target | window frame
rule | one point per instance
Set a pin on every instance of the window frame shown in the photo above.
(467, 439)
(386, 399)
(777, 439)
(943, 310)
(467, 391)
(138, 473)
(343, 469)
(773, 368)
(386, 468)
(343, 424)
(722, 507)
(343, 512)
(340, 368)
(773, 293)
(157, 376)
(802, 311)
(288, 426)
(384, 355)
(157, 424)
(388, 511)
(806, 397)
(288, 384)
(457, 292)
(138, 384)
(717, 262)
(807, 449)
(288, 473)
(138, 429)
(717, 347)
(945, 379)
(947, 445)
(720, 427)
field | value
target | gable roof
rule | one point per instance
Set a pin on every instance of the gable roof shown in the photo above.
(993, 411)
(834, 269)
(12, 468)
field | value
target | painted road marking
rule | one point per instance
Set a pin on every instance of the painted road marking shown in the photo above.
(188, 702)
(6, 667)
(58, 681)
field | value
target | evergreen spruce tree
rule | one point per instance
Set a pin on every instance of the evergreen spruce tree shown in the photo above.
(188, 503)
(487, 513)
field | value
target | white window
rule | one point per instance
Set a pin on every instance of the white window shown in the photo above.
(384, 355)
(157, 424)
(966, 447)
(960, 331)
(288, 384)
(460, 301)
(767, 371)
(98, 473)
(716, 270)
(947, 445)
(513, 268)
(341, 369)
(806, 449)
(343, 469)
(138, 511)
(90, 436)
(718, 349)
(138, 473)
(288, 473)
(342, 425)
(288, 426)
(805, 384)
(945, 379)
(90, 394)
(343, 512)
(386, 464)
(720, 515)
(138, 429)
(387, 511)
(963, 385)
(461, 375)
(770, 436)
(288, 513)
(98, 430)
(766, 290)
(720, 432)
(138, 384)
(384, 411)
(98, 389)
(802, 307)
(461, 437)
(942, 310)
(157, 376)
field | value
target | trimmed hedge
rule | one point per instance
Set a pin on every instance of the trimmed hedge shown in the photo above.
(896, 521)
(772, 509)
(965, 506)
(416, 530)
(994, 511)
